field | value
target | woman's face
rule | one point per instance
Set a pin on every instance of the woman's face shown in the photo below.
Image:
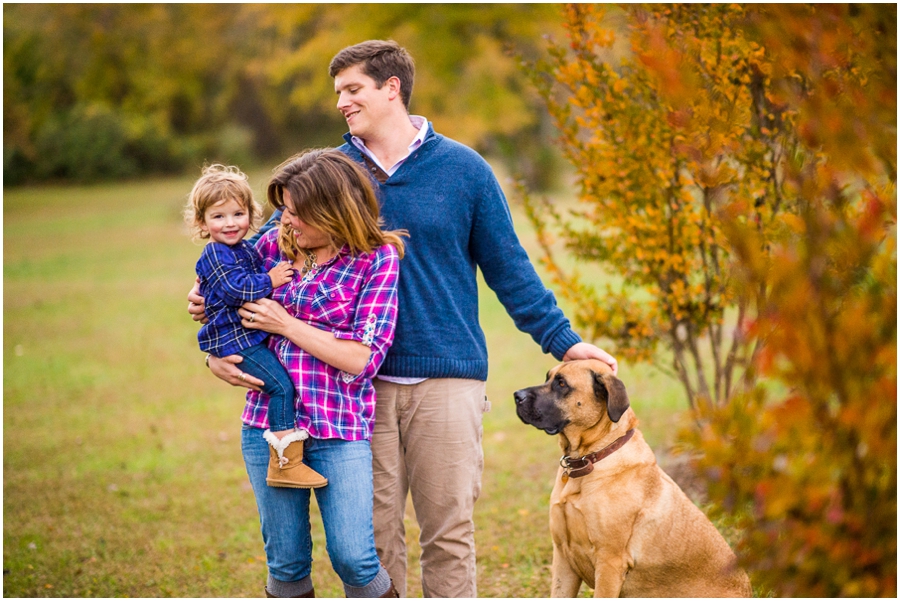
(307, 236)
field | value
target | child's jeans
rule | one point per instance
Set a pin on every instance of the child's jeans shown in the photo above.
(260, 362)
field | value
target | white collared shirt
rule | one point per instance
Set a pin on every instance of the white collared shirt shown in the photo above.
(419, 122)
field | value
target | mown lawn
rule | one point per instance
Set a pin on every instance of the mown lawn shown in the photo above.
(122, 468)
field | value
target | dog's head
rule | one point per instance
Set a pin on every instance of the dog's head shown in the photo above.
(577, 393)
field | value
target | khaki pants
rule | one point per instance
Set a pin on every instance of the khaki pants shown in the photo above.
(427, 442)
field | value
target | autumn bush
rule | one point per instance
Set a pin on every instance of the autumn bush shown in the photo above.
(737, 171)
(655, 164)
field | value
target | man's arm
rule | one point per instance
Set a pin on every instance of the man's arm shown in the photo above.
(196, 302)
(511, 275)
(228, 370)
(269, 224)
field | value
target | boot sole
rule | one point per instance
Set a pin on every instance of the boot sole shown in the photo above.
(278, 484)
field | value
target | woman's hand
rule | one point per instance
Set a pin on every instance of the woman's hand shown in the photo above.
(266, 315)
(196, 303)
(226, 368)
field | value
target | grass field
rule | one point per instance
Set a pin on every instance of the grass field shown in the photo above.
(122, 468)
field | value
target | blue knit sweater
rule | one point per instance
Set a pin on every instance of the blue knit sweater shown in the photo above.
(448, 199)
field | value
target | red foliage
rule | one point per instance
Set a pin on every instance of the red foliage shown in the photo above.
(738, 169)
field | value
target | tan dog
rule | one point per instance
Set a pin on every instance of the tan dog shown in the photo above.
(618, 522)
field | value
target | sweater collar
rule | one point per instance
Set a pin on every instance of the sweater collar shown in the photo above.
(348, 137)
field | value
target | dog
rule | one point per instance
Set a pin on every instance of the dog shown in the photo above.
(618, 522)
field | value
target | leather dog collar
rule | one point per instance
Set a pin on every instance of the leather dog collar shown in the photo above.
(582, 466)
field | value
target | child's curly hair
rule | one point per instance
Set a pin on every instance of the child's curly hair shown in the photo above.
(216, 184)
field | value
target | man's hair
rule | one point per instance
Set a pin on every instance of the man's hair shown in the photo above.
(380, 60)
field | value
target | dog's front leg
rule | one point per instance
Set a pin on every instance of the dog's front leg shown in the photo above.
(609, 575)
(565, 582)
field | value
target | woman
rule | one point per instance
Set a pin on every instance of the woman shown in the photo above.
(331, 327)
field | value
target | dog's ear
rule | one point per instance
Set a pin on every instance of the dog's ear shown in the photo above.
(611, 390)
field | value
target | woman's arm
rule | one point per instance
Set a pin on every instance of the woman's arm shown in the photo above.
(347, 355)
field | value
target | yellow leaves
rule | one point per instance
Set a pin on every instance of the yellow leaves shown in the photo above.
(584, 96)
(707, 222)
(794, 222)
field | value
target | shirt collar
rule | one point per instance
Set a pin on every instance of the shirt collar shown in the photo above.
(419, 122)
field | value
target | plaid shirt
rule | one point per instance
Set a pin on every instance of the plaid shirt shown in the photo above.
(355, 298)
(229, 277)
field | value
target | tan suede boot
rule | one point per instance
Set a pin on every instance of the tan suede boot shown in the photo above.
(286, 467)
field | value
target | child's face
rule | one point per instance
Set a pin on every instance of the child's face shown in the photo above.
(227, 222)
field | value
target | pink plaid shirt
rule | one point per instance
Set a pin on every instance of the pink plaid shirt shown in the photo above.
(355, 298)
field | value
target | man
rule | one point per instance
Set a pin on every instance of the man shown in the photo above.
(431, 387)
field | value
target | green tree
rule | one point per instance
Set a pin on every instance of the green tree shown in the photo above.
(186, 82)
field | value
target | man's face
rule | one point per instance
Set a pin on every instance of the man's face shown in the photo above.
(360, 100)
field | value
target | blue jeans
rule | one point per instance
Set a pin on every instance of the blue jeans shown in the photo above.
(345, 504)
(262, 363)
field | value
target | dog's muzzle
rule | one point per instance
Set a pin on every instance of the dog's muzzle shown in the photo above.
(542, 415)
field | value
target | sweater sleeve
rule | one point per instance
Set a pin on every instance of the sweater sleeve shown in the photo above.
(268, 225)
(510, 274)
(228, 278)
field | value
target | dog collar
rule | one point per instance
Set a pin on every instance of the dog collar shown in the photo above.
(582, 466)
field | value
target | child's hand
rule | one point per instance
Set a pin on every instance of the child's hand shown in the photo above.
(281, 274)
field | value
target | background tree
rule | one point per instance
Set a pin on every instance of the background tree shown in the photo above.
(810, 475)
(109, 90)
(661, 137)
(745, 157)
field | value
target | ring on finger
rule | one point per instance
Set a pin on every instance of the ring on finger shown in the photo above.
(252, 317)
(242, 377)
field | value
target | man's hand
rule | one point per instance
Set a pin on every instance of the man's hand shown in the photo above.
(583, 350)
(226, 368)
(195, 303)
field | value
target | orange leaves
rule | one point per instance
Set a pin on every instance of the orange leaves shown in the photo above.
(743, 164)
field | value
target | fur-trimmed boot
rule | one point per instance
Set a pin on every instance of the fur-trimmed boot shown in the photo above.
(286, 467)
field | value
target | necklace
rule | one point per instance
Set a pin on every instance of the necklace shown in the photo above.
(309, 263)
(310, 267)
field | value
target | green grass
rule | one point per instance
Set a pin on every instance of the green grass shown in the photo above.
(122, 468)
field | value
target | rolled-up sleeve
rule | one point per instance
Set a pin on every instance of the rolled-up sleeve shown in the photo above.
(375, 317)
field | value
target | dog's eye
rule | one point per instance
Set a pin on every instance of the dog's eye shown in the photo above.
(561, 383)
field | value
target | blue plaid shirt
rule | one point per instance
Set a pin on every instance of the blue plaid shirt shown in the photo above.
(229, 277)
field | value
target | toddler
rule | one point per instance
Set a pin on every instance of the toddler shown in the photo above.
(221, 208)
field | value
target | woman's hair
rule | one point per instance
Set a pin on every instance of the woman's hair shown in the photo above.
(216, 184)
(332, 193)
